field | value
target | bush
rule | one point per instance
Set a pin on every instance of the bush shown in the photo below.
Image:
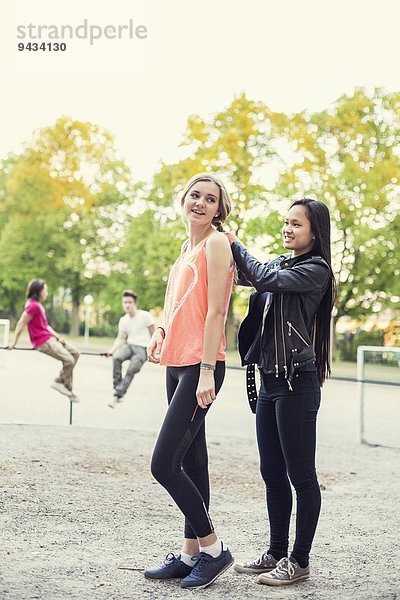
(347, 343)
(103, 330)
(392, 334)
(59, 318)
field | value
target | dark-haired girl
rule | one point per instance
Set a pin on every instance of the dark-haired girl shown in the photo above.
(286, 333)
(45, 339)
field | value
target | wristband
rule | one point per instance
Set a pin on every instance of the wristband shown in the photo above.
(207, 367)
(163, 330)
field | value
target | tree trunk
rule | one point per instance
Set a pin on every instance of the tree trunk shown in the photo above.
(50, 312)
(74, 328)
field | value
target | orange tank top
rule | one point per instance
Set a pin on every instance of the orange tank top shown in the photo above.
(186, 305)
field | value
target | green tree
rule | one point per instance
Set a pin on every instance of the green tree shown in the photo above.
(61, 198)
(151, 247)
(348, 155)
(238, 145)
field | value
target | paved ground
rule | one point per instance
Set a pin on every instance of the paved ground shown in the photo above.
(78, 502)
(26, 397)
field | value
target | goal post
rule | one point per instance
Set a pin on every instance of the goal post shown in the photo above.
(362, 381)
(4, 332)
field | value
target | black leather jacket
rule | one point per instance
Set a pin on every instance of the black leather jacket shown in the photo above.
(283, 334)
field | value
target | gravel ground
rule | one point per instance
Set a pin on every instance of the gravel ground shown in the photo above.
(77, 504)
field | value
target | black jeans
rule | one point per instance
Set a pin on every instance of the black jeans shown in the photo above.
(180, 458)
(286, 435)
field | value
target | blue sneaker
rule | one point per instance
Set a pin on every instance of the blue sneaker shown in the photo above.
(207, 569)
(172, 568)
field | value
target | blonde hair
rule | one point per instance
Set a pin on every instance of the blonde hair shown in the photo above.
(224, 203)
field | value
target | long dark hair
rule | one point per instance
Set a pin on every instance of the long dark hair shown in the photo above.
(318, 214)
(34, 288)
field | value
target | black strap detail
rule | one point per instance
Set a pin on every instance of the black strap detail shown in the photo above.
(252, 394)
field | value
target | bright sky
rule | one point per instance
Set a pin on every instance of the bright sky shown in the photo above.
(197, 56)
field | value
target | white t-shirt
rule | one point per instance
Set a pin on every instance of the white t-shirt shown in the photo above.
(136, 328)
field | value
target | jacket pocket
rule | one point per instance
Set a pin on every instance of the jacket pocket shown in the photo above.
(305, 355)
(291, 328)
(298, 359)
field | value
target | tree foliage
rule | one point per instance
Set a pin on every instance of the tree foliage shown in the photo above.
(349, 157)
(58, 205)
(70, 212)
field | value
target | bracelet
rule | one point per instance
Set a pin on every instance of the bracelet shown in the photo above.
(162, 329)
(207, 367)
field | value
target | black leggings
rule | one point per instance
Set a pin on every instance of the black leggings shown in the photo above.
(180, 458)
(286, 435)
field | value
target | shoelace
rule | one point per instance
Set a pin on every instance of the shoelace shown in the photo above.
(170, 558)
(202, 560)
(284, 567)
(262, 558)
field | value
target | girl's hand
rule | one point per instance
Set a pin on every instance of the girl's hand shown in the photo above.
(154, 348)
(231, 237)
(205, 392)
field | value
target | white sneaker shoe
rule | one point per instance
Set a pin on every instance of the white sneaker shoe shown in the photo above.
(264, 564)
(287, 571)
(116, 400)
(60, 387)
(74, 398)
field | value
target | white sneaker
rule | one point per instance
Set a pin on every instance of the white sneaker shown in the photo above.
(116, 400)
(74, 398)
(60, 387)
(287, 571)
(264, 564)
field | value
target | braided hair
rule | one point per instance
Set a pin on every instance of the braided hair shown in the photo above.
(224, 207)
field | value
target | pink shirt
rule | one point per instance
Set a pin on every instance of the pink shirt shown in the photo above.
(37, 326)
(186, 306)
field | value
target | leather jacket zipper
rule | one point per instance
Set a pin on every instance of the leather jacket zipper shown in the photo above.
(290, 327)
(283, 342)
(276, 344)
(284, 349)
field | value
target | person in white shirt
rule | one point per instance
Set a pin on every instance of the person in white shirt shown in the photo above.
(134, 333)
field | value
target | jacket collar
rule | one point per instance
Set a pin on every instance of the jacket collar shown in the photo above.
(288, 261)
(297, 259)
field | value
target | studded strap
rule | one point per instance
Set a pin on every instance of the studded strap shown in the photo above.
(251, 387)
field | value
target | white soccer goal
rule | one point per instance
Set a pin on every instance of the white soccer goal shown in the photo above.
(378, 390)
(4, 332)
